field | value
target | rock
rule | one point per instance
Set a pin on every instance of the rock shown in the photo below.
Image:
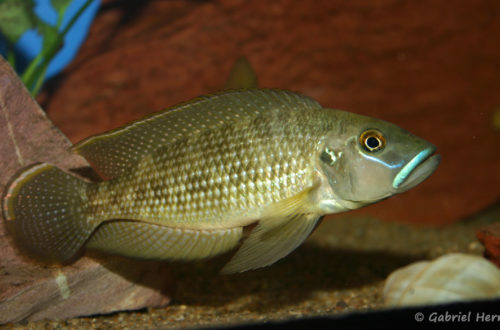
(490, 238)
(428, 66)
(33, 291)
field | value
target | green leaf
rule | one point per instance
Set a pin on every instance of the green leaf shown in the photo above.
(49, 34)
(60, 5)
(16, 16)
(33, 75)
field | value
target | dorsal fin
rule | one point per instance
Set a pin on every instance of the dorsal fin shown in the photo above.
(114, 152)
(242, 75)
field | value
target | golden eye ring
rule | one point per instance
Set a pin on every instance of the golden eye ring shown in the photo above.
(372, 140)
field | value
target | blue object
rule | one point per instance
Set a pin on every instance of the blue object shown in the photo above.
(30, 43)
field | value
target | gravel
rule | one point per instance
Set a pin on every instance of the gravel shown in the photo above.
(339, 269)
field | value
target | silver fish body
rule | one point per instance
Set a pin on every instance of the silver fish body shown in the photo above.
(185, 182)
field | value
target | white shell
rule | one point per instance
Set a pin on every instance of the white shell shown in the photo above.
(452, 277)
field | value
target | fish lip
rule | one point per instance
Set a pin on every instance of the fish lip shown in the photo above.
(416, 170)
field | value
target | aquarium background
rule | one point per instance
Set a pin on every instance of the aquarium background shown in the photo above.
(432, 67)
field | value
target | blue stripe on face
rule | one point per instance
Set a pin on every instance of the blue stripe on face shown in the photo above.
(412, 164)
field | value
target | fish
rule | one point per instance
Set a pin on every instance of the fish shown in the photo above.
(249, 170)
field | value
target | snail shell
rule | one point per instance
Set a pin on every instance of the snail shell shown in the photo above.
(452, 277)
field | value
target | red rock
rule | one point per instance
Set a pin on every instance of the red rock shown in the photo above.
(490, 238)
(32, 291)
(431, 67)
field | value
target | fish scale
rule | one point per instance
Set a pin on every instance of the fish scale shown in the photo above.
(220, 190)
(183, 183)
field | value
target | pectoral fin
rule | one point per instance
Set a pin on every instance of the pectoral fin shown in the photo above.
(266, 245)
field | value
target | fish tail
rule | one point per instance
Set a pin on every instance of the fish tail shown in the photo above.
(45, 210)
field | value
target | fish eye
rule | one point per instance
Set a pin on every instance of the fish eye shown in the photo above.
(372, 140)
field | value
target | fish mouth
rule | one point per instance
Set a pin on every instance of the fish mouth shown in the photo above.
(417, 170)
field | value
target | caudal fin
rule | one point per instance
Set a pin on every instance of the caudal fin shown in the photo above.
(45, 209)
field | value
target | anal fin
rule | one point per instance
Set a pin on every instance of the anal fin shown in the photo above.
(150, 241)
